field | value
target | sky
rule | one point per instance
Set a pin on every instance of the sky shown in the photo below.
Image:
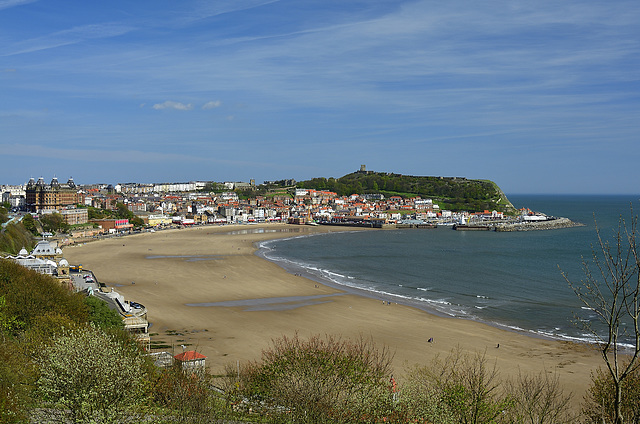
(538, 96)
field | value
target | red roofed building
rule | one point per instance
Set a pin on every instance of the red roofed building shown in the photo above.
(191, 360)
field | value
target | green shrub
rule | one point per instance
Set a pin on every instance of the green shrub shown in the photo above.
(598, 404)
(90, 376)
(318, 380)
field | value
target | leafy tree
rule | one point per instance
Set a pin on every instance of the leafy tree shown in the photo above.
(30, 223)
(122, 211)
(319, 380)
(53, 222)
(101, 315)
(419, 401)
(613, 294)
(137, 221)
(91, 376)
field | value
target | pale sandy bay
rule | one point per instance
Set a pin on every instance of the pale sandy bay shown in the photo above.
(175, 269)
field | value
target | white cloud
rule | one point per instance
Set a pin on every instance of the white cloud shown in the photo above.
(172, 105)
(212, 105)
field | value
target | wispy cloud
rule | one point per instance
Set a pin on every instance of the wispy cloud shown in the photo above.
(96, 155)
(212, 105)
(5, 4)
(173, 105)
(67, 37)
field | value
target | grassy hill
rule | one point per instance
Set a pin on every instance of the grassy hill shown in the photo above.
(451, 193)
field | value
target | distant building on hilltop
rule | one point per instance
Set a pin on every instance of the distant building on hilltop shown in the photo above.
(363, 170)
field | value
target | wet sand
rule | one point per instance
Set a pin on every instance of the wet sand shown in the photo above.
(205, 288)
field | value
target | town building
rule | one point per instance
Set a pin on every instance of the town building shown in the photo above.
(113, 225)
(54, 196)
(191, 361)
(75, 216)
(45, 258)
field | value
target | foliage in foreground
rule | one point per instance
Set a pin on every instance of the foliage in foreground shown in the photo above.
(466, 388)
(90, 376)
(318, 380)
(599, 404)
(335, 381)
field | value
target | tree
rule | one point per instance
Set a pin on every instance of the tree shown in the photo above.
(91, 376)
(101, 315)
(612, 293)
(319, 380)
(29, 223)
(465, 385)
(122, 211)
(599, 400)
(53, 222)
(538, 399)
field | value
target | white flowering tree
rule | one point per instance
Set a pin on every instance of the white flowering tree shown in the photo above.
(88, 375)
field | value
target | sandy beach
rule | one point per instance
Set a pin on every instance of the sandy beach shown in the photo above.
(204, 287)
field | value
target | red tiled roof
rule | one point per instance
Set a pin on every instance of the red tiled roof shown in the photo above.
(190, 355)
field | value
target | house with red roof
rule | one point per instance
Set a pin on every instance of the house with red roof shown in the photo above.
(191, 361)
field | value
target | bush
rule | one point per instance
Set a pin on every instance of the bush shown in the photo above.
(318, 380)
(539, 399)
(187, 396)
(598, 404)
(90, 376)
(465, 385)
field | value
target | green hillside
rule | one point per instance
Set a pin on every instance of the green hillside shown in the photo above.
(455, 194)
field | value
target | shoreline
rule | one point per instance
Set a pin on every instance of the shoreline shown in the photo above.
(221, 270)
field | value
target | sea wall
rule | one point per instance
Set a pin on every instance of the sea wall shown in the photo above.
(550, 224)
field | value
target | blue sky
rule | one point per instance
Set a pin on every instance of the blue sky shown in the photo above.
(540, 97)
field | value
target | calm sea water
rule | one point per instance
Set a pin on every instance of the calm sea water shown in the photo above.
(510, 280)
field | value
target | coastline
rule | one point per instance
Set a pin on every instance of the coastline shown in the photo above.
(207, 288)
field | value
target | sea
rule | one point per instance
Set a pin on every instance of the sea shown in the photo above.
(512, 280)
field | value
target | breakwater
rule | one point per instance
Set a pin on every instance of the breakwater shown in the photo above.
(550, 224)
